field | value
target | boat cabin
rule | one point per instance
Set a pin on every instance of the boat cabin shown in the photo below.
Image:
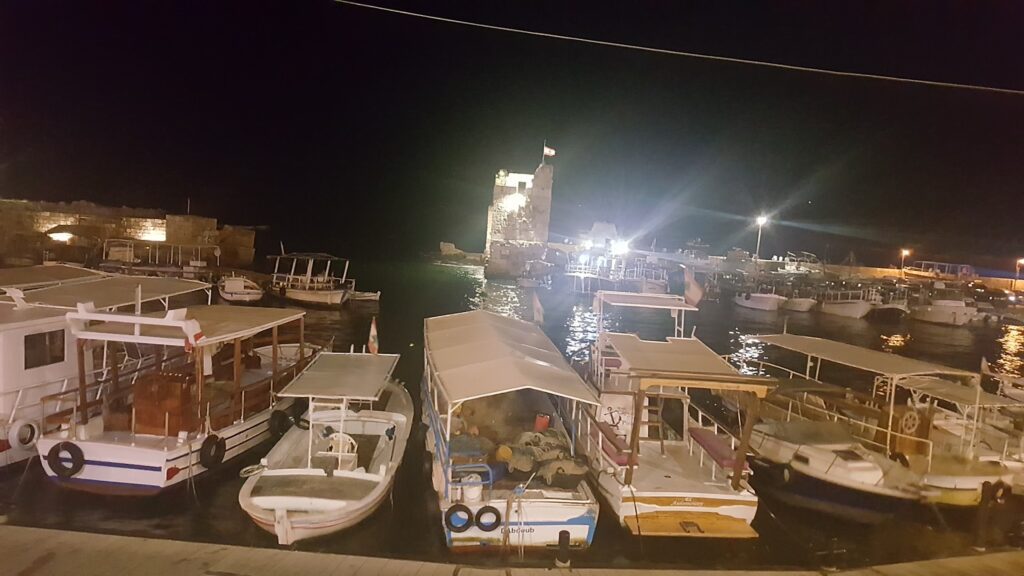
(308, 272)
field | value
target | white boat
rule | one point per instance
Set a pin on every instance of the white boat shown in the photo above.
(336, 467)
(210, 397)
(40, 352)
(942, 305)
(505, 469)
(798, 304)
(239, 289)
(846, 303)
(944, 426)
(357, 296)
(820, 466)
(758, 301)
(659, 481)
(309, 278)
(939, 270)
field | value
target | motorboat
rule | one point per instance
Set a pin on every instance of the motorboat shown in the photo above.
(310, 278)
(337, 465)
(505, 469)
(40, 357)
(944, 305)
(821, 466)
(759, 299)
(845, 303)
(661, 480)
(239, 289)
(209, 397)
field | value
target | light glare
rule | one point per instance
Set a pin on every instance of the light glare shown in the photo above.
(620, 247)
(513, 202)
(60, 236)
(762, 220)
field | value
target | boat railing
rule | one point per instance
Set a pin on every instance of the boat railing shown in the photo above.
(583, 269)
(843, 295)
(302, 282)
(708, 422)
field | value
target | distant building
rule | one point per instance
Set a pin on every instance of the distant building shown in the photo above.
(518, 220)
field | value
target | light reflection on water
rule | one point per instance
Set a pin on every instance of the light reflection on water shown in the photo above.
(895, 342)
(1012, 345)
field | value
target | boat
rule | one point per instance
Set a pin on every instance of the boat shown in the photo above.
(660, 480)
(939, 270)
(209, 397)
(821, 466)
(239, 289)
(759, 299)
(505, 469)
(40, 356)
(360, 296)
(845, 303)
(934, 419)
(944, 305)
(337, 466)
(799, 304)
(308, 278)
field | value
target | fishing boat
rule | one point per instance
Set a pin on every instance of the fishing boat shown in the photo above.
(934, 419)
(944, 305)
(504, 465)
(209, 397)
(239, 289)
(360, 295)
(845, 303)
(309, 278)
(337, 466)
(821, 466)
(664, 478)
(40, 350)
(759, 299)
(799, 304)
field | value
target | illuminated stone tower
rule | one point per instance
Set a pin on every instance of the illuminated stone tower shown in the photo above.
(518, 219)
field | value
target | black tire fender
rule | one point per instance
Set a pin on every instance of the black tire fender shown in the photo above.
(450, 514)
(57, 464)
(280, 422)
(212, 451)
(481, 520)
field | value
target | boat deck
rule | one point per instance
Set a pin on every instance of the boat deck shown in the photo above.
(678, 471)
(324, 487)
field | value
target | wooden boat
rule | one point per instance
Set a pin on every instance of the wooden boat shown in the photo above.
(799, 304)
(758, 300)
(845, 303)
(335, 468)
(944, 305)
(239, 289)
(209, 397)
(308, 278)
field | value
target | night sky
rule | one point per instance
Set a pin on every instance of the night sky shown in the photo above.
(365, 133)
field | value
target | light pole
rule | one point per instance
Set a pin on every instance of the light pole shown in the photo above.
(761, 221)
(903, 256)
(1017, 277)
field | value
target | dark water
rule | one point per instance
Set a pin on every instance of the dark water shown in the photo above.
(409, 526)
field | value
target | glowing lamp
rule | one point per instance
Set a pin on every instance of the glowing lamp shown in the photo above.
(154, 235)
(588, 244)
(513, 202)
(620, 247)
(762, 220)
(60, 236)
(905, 252)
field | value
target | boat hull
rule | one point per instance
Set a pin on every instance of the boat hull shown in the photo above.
(851, 309)
(948, 315)
(799, 304)
(766, 302)
(243, 297)
(317, 297)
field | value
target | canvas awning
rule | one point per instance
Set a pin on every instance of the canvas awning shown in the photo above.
(30, 277)
(956, 393)
(861, 358)
(108, 292)
(681, 362)
(338, 376)
(478, 354)
(216, 324)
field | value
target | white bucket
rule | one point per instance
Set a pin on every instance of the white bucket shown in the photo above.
(472, 492)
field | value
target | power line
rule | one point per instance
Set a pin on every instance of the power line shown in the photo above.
(687, 54)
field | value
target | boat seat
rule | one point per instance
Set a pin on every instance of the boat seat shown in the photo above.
(614, 446)
(715, 446)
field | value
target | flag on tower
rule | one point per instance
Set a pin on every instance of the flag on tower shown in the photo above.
(549, 151)
(373, 345)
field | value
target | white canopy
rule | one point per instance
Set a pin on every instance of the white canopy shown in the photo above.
(633, 300)
(955, 392)
(857, 357)
(28, 277)
(478, 354)
(109, 292)
(338, 376)
(218, 323)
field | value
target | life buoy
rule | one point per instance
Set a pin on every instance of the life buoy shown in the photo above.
(59, 466)
(909, 422)
(481, 518)
(212, 451)
(23, 434)
(280, 422)
(449, 516)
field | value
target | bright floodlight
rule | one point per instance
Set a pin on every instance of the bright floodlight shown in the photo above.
(513, 202)
(620, 247)
(905, 252)
(1021, 262)
(60, 236)
(762, 220)
(588, 244)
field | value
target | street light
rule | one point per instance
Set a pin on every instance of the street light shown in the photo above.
(903, 256)
(761, 221)
(1020, 263)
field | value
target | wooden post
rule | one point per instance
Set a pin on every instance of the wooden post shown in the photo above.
(302, 338)
(740, 457)
(273, 358)
(634, 442)
(83, 394)
(237, 375)
(115, 380)
(197, 356)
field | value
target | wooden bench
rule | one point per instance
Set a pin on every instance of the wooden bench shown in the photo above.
(718, 448)
(614, 446)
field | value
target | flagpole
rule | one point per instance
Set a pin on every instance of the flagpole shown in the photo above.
(543, 156)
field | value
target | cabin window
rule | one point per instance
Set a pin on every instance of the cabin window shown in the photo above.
(44, 348)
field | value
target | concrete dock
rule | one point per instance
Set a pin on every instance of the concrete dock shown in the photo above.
(36, 551)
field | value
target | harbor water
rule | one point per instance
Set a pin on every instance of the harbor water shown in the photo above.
(409, 526)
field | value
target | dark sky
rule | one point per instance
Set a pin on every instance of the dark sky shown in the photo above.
(352, 130)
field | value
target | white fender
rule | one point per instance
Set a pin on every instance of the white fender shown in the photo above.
(22, 434)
